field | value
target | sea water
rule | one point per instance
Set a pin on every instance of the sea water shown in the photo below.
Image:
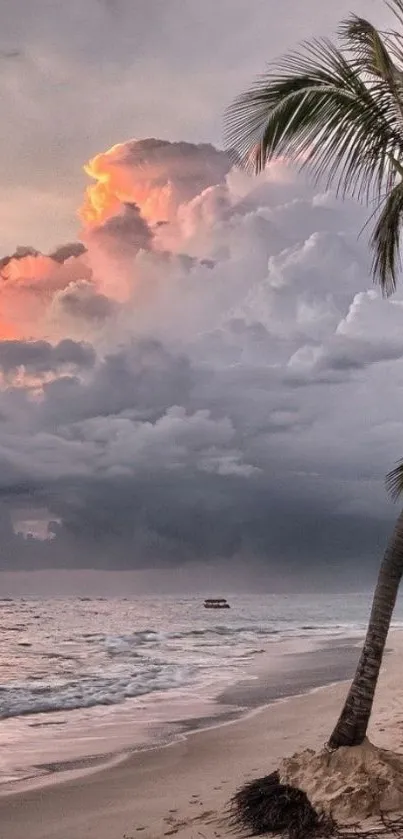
(77, 661)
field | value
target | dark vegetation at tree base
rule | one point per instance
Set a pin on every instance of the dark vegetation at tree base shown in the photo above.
(267, 807)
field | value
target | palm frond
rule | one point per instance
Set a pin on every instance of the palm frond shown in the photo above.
(394, 482)
(385, 240)
(314, 108)
(396, 7)
(371, 54)
(395, 38)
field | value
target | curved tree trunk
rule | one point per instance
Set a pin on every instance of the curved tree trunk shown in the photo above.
(353, 722)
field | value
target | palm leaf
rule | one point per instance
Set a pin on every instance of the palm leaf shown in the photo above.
(371, 55)
(369, 52)
(396, 7)
(315, 109)
(340, 118)
(394, 482)
(395, 39)
(385, 240)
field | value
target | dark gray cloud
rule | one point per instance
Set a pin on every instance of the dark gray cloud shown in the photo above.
(123, 234)
(221, 388)
(236, 399)
(136, 483)
(38, 357)
(278, 534)
(143, 378)
(71, 249)
(20, 253)
(81, 300)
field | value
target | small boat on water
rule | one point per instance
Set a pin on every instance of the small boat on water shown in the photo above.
(216, 603)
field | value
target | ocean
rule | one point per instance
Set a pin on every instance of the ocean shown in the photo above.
(81, 677)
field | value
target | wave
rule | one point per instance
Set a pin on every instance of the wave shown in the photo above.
(35, 698)
(148, 637)
(98, 668)
(140, 663)
(153, 638)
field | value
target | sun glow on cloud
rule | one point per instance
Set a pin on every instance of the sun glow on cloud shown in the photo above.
(137, 185)
(102, 199)
(155, 175)
(155, 212)
(185, 336)
(115, 186)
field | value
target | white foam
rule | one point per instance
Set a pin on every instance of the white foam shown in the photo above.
(81, 657)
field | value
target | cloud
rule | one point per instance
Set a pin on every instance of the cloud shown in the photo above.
(81, 300)
(40, 356)
(369, 333)
(156, 175)
(130, 71)
(143, 378)
(196, 390)
(120, 236)
(64, 252)
(138, 184)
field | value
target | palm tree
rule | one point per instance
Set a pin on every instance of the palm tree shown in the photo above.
(338, 111)
(351, 727)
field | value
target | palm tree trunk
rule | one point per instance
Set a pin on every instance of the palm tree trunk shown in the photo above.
(352, 725)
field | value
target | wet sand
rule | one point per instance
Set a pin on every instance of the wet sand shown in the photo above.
(182, 789)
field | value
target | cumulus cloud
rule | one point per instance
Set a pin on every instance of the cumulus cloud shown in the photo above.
(123, 234)
(138, 185)
(96, 59)
(156, 175)
(82, 300)
(197, 389)
(41, 357)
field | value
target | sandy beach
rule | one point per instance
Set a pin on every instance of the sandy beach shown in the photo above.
(183, 789)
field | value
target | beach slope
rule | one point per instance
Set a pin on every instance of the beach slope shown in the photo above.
(182, 790)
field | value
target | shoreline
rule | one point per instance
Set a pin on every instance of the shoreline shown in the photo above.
(282, 673)
(182, 789)
(331, 661)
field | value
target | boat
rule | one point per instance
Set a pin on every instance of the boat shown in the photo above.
(216, 603)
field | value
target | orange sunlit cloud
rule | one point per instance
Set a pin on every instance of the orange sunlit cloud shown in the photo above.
(9, 331)
(42, 272)
(156, 175)
(117, 184)
(135, 185)
(28, 285)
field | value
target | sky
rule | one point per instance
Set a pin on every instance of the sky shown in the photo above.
(198, 379)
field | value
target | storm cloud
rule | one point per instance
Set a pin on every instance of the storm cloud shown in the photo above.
(226, 391)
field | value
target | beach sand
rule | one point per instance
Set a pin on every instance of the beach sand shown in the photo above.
(182, 790)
